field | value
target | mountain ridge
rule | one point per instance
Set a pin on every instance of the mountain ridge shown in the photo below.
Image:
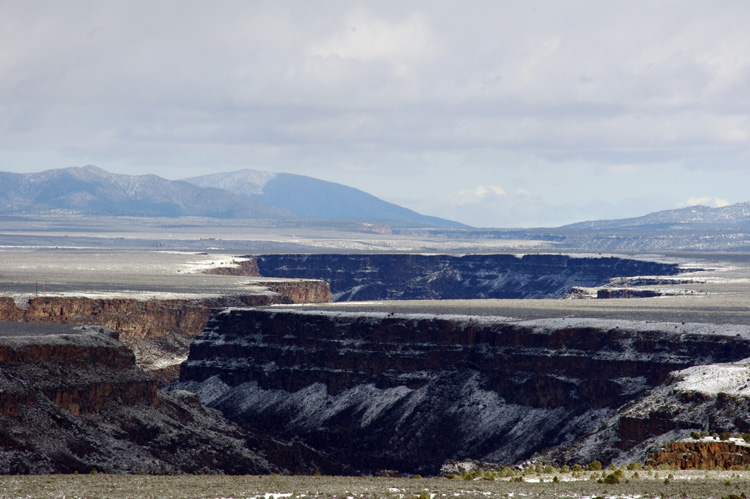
(321, 199)
(735, 214)
(91, 189)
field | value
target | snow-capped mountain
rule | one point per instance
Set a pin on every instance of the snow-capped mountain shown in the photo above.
(246, 194)
(92, 189)
(736, 214)
(315, 198)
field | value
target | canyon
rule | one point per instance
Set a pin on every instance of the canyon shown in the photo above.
(157, 326)
(73, 400)
(358, 277)
(414, 382)
(416, 390)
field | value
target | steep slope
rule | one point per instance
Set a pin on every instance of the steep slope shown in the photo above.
(440, 277)
(92, 189)
(73, 400)
(714, 397)
(417, 390)
(314, 198)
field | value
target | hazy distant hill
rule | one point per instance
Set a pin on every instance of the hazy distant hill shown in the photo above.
(311, 197)
(95, 190)
(692, 216)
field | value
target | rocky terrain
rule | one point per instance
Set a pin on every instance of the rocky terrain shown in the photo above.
(416, 390)
(702, 455)
(714, 398)
(159, 328)
(73, 400)
(438, 277)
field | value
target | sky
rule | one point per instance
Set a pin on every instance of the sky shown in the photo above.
(493, 113)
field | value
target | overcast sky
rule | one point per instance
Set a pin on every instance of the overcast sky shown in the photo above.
(493, 113)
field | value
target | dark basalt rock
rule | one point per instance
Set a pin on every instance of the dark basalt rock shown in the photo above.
(439, 277)
(409, 392)
(73, 400)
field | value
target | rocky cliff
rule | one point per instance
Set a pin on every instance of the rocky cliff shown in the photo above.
(158, 328)
(72, 399)
(357, 277)
(711, 397)
(705, 455)
(416, 390)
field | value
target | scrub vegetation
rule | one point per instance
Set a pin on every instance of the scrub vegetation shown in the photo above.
(609, 483)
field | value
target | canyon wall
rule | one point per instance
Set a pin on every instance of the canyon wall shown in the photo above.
(704, 455)
(358, 277)
(414, 391)
(714, 397)
(73, 400)
(158, 329)
(156, 317)
(80, 372)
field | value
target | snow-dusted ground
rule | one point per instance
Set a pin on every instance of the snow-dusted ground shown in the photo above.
(732, 379)
(96, 273)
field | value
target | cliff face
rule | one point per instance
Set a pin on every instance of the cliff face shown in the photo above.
(704, 455)
(417, 277)
(79, 372)
(157, 317)
(713, 397)
(415, 391)
(72, 399)
(159, 330)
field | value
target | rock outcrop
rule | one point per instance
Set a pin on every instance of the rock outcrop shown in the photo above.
(414, 390)
(72, 399)
(357, 277)
(704, 455)
(711, 397)
(159, 329)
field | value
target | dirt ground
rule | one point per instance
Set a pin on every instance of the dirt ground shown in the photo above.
(697, 484)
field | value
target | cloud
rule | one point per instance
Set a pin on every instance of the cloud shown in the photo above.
(575, 101)
(480, 193)
(706, 201)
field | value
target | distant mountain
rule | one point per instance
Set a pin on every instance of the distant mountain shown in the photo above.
(95, 190)
(314, 198)
(690, 217)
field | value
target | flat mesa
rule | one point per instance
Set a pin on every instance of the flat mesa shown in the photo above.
(18, 329)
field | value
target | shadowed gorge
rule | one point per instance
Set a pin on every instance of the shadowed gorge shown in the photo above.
(417, 390)
(358, 277)
(73, 400)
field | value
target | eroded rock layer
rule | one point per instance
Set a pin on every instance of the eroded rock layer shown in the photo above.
(158, 329)
(414, 391)
(429, 277)
(701, 455)
(72, 399)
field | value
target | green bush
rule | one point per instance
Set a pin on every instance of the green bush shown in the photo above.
(506, 472)
(565, 469)
(577, 467)
(594, 466)
(695, 435)
(635, 466)
(611, 478)
(724, 435)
